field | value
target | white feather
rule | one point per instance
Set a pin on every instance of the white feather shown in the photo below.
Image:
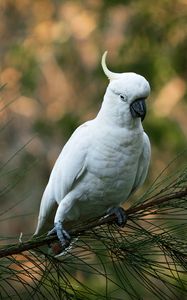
(103, 162)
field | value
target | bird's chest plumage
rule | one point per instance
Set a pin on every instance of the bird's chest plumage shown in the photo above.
(112, 165)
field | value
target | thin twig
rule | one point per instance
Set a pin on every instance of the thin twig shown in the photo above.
(37, 242)
(157, 201)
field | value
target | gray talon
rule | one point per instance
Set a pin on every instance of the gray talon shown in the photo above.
(52, 232)
(120, 214)
(61, 233)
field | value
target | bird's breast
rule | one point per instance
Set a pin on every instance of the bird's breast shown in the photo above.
(112, 165)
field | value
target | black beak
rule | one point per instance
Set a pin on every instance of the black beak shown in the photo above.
(138, 109)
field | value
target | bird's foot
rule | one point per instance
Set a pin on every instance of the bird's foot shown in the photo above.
(61, 233)
(121, 216)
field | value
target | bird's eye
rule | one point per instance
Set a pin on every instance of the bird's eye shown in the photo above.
(122, 98)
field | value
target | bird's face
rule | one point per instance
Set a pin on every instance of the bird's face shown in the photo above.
(129, 93)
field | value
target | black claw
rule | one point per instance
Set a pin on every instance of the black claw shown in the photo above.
(121, 216)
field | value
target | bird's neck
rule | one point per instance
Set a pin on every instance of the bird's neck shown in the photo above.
(115, 117)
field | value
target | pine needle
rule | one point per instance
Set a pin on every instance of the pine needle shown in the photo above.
(147, 259)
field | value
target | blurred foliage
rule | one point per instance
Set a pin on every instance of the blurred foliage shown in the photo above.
(50, 65)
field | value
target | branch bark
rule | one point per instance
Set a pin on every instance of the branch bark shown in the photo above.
(108, 219)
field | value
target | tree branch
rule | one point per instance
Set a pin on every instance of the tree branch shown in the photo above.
(157, 201)
(108, 219)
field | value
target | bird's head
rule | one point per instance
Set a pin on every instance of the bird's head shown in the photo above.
(126, 92)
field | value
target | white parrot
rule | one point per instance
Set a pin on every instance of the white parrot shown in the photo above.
(104, 161)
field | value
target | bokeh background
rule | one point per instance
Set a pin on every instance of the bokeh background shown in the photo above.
(51, 81)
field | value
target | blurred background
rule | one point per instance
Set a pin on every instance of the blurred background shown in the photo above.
(51, 82)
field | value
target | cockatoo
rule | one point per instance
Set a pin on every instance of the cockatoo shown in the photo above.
(104, 161)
